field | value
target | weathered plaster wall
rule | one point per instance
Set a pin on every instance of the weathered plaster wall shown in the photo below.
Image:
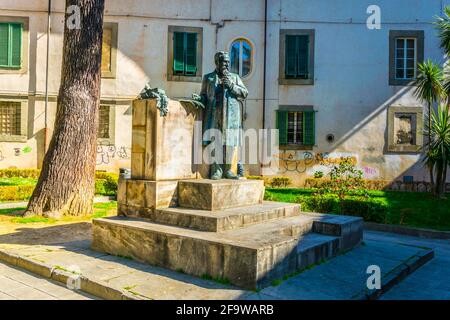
(351, 91)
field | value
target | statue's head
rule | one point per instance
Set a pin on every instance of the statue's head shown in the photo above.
(222, 60)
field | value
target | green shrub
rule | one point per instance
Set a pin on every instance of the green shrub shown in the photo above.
(371, 209)
(318, 174)
(106, 183)
(100, 186)
(19, 173)
(324, 203)
(15, 193)
(280, 182)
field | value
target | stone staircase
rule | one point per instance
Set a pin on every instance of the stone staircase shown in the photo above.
(224, 230)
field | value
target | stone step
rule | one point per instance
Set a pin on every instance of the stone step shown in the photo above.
(249, 257)
(222, 194)
(227, 219)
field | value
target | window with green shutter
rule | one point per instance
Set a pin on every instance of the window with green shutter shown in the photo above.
(297, 57)
(11, 45)
(296, 128)
(185, 53)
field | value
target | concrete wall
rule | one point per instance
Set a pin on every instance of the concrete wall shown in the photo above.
(351, 92)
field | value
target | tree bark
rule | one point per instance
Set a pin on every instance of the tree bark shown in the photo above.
(66, 185)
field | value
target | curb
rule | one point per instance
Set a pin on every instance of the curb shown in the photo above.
(396, 275)
(409, 231)
(96, 288)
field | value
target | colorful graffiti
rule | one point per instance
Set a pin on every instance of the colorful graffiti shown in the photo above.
(301, 161)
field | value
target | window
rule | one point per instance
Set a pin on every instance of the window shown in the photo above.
(109, 50)
(106, 124)
(405, 52)
(10, 118)
(405, 58)
(103, 122)
(296, 57)
(241, 57)
(296, 128)
(13, 120)
(11, 45)
(184, 54)
(404, 129)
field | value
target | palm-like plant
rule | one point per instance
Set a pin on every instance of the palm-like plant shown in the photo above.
(439, 145)
(429, 89)
(443, 27)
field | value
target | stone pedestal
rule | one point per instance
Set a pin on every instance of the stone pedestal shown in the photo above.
(222, 229)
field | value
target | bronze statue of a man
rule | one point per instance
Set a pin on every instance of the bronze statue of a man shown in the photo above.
(221, 94)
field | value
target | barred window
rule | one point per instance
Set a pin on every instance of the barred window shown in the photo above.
(10, 118)
(103, 126)
(295, 128)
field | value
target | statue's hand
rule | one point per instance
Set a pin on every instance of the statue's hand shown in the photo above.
(228, 83)
(196, 97)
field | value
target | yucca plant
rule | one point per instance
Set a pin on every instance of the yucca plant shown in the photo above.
(443, 27)
(439, 145)
(429, 89)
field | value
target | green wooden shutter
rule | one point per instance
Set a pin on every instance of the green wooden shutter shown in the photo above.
(4, 44)
(282, 126)
(303, 45)
(178, 52)
(290, 60)
(309, 135)
(191, 54)
(16, 45)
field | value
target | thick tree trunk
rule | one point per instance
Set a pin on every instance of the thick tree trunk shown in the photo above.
(66, 185)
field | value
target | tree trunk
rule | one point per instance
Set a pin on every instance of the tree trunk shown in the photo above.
(431, 167)
(444, 180)
(439, 172)
(66, 185)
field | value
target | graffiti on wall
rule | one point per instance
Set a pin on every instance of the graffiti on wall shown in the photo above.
(17, 152)
(308, 162)
(302, 161)
(109, 152)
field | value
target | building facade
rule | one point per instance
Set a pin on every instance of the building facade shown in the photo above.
(333, 84)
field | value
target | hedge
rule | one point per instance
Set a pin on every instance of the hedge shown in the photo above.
(371, 209)
(15, 193)
(19, 173)
(368, 184)
(105, 184)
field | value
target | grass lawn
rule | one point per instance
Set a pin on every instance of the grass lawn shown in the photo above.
(413, 209)
(103, 209)
(16, 181)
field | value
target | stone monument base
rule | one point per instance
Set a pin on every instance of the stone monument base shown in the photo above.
(220, 229)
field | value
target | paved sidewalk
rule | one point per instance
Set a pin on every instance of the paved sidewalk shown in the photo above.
(53, 251)
(18, 284)
(431, 281)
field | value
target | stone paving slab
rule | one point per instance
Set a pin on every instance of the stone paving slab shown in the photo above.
(110, 277)
(344, 277)
(22, 285)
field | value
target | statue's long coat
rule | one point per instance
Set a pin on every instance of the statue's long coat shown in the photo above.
(226, 118)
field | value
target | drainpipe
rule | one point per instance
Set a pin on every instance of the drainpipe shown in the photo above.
(264, 81)
(264, 67)
(46, 77)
